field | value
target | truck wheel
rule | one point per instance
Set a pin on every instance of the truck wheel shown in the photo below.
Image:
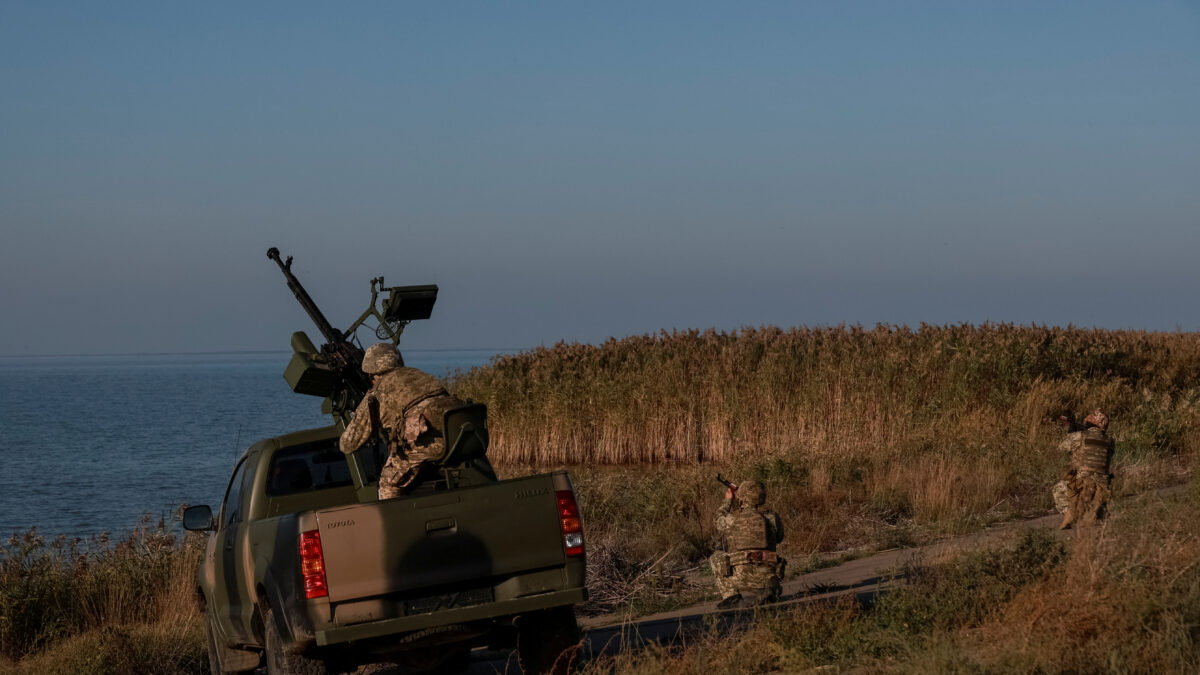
(548, 641)
(279, 661)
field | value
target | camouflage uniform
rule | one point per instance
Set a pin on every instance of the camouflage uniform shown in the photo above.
(409, 405)
(1082, 494)
(751, 567)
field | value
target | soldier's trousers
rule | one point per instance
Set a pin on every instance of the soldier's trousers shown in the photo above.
(1062, 493)
(396, 474)
(1084, 493)
(759, 579)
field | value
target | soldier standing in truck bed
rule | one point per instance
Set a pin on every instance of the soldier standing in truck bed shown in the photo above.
(751, 572)
(407, 406)
(1082, 494)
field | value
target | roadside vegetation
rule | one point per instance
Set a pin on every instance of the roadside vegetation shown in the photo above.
(1123, 597)
(102, 605)
(867, 439)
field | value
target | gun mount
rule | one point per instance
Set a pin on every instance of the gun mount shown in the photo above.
(334, 370)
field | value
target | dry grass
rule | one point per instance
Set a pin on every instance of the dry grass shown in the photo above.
(173, 647)
(1128, 601)
(1124, 598)
(101, 605)
(866, 438)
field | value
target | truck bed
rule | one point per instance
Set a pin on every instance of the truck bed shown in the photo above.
(408, 548)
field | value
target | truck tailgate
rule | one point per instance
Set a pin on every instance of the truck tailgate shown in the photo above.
(443, 538)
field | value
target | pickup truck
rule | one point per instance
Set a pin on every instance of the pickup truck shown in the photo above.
(307, 570)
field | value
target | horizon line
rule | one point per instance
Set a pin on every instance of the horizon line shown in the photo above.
(239, 351)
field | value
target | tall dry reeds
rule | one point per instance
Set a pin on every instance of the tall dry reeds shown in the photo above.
(886, 392)
(939, 424)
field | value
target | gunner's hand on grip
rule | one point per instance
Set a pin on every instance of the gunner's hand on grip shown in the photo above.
(730, 488)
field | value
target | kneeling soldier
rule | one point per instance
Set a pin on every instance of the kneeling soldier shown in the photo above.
(751, 572)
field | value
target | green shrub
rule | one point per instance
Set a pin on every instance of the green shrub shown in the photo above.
(966, 591)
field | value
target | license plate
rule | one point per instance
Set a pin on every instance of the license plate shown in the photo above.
(433, 603)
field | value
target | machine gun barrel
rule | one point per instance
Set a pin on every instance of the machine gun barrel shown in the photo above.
(331, 334)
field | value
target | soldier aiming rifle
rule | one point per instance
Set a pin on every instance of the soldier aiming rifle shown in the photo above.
(1082, 493)
(749, 572)
(1069, 422)
(731, 488)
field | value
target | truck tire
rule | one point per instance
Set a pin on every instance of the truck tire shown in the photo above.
(217, 663)
(279, 661)
(548, 641)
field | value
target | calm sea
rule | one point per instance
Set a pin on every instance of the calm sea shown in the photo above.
(91, 443)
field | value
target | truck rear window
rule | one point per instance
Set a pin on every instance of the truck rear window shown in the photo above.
(306, 468)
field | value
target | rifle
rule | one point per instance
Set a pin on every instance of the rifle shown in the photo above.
(1068, 420)
(732, 486)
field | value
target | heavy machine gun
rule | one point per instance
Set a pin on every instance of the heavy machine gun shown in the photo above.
(334, 371)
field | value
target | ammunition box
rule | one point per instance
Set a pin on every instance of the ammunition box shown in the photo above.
(305, 376)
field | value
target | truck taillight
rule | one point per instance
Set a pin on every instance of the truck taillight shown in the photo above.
(568, 519)
(312, 565)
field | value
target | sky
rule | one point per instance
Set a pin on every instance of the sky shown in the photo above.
(578, 171)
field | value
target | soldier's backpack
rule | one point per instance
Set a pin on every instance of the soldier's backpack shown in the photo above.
(749, 531)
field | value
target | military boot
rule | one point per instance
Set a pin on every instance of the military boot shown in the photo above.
(751, 600)
(730, 602)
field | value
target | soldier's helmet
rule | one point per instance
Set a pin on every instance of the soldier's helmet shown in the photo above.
(752, 492)
(1097, 419)
(381, 358)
